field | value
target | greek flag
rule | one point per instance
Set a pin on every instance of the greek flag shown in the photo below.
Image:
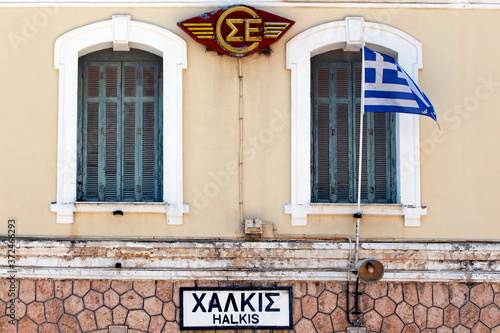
(389, 89)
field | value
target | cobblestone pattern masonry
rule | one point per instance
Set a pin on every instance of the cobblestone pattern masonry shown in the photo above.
(70, 306)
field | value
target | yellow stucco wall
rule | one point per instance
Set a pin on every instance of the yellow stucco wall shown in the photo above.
(458, 164)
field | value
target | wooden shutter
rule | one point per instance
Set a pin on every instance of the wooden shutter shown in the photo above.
(91, 133)
(343, 123)
(380, 175)
(141, 130)
(99, 132)
(336, 102)
(384, 168)
(321, 138)
(119, 154)
(112, 108)
(130, 106)
(343, 155)
(149, 112)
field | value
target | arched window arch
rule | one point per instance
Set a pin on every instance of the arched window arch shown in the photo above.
(349, 35)
(121, 34)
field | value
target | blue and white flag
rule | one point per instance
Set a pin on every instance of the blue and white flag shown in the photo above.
(388, 88)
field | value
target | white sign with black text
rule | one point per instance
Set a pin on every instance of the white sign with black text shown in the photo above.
(209, 308)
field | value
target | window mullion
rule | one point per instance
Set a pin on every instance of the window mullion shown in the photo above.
(333, 137)
(353, 143)
(370, 157)
(315, 179)
(157, 133)
(369, 149)
(81, 137)
(102, 134)
(138, 133)
(119, 136)
(391, 150)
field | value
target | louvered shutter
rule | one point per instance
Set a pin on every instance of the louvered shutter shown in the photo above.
(112, 108)
(91, 134)
(119, 155)
(93, 138)
(321, 139)
(130, 108)
(336, 102)
(384, 164)
(101, 107)
(342, 154)
(141, 130)
(149, 137)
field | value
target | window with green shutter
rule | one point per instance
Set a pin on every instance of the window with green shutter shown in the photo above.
(120, 132)
(336, 102)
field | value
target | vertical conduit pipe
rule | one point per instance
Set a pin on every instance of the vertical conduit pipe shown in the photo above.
(240, 164)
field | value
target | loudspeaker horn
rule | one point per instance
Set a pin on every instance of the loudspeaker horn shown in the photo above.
(370, 271)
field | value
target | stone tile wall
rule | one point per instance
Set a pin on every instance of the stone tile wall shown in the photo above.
(71, 306)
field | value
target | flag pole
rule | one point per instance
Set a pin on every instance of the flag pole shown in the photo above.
(358, 215)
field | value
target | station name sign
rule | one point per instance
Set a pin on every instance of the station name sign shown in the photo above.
(236, 308)
(236, 31)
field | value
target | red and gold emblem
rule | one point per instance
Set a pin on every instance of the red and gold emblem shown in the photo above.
(236, 31)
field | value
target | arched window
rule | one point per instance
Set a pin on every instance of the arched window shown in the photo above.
(349, 35)
(335, 114)
(167, 57)
(119, 117)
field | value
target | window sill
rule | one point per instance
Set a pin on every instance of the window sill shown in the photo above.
(411, 214)
(65, 211)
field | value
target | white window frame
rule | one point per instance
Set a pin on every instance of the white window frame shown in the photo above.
(120, 33)
(349, 35)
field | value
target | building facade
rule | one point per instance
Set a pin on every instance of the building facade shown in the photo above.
(158, 153)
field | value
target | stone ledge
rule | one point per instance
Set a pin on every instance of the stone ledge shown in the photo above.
(242, 260)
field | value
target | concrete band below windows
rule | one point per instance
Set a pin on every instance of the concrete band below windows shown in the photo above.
(232, 260)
